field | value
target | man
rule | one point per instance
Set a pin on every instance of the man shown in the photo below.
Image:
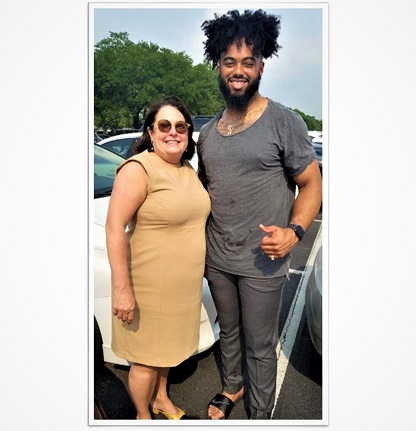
(252, 156)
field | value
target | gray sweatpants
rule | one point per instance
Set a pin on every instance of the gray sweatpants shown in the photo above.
(248, 312)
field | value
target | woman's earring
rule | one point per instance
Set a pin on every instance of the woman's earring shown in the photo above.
(151, 149)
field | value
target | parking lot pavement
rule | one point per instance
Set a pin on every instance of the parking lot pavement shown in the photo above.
(110, 391)
(191, 385)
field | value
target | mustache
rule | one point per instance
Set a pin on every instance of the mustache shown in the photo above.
(238, 77)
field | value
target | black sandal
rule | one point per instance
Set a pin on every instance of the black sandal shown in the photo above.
(223, 403)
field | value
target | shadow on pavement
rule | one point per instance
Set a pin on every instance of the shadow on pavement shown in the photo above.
(117, 406)
(185, 370)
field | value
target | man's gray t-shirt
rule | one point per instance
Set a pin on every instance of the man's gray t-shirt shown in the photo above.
(250, 183)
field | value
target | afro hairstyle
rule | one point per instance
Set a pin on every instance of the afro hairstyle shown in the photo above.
(257, 28)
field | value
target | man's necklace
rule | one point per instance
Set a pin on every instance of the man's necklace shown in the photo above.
(230, 128)
(237, 125)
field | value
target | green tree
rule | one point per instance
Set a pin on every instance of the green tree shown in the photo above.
(128, 77)
(311, 122)
(109, 85)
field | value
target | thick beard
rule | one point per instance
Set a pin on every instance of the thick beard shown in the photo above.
(238, 102)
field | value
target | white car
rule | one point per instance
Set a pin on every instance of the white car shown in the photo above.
(105, 163)
(120, 144)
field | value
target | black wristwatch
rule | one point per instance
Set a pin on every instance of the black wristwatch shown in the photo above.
(298, 230)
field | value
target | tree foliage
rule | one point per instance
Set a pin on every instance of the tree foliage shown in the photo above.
(128, 77)
(311, 122)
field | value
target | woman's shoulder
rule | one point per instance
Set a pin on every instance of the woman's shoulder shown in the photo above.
(142, 159)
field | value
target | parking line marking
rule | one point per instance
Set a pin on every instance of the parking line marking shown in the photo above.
(288, 335)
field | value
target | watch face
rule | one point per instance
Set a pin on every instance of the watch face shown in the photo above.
(298, 230)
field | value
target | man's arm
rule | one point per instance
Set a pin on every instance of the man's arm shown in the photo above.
(309, 198)
(280, 240)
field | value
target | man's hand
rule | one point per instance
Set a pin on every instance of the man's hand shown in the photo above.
(278, 242)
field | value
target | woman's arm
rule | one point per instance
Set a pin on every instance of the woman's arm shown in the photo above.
(129, 192)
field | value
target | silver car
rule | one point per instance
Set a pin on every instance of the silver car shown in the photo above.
(313, 302)
(317, 145)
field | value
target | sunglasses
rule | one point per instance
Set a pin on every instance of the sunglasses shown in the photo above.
(165, 125)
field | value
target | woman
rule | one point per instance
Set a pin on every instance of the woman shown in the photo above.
(156, 247)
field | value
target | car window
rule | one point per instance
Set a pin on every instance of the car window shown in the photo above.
(318, 149)
(119, 146)
(105, 164)
(200, 121)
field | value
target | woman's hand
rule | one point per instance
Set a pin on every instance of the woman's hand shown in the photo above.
(123, 304)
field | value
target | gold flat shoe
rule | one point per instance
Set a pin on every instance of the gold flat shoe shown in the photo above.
(167, 415)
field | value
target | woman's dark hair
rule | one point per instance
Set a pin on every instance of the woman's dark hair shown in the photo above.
(145, 142)
(255, 27)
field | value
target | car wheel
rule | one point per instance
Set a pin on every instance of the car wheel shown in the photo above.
(98, 346)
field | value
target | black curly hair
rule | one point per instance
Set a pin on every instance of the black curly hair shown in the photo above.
(257, 28)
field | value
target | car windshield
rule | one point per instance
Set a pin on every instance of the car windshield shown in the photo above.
(105, 164)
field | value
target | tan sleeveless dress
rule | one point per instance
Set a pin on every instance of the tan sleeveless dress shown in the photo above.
(166, 264)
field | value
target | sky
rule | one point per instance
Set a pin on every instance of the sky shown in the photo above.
(294, 78)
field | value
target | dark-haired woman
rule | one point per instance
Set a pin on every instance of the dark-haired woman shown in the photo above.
(156, 247)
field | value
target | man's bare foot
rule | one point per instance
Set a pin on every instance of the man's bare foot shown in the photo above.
(215, 412)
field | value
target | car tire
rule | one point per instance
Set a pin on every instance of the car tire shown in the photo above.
(98, 346)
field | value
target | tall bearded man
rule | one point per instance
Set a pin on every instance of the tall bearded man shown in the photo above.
(252, 155)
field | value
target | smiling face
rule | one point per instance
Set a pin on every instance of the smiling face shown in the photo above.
(239, 74)
(170, 145)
